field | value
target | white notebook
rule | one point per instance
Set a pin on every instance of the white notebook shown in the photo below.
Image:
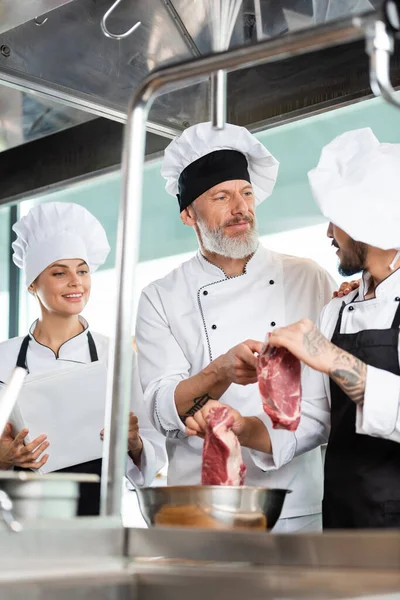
(69, 407)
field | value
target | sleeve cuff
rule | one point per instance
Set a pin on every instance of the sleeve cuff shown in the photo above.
(377, 416)
(165, 410)
(147, 472)
(283, 447)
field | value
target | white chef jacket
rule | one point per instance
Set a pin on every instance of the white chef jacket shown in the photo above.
(379, 415)
(41, 359)
(195, 314)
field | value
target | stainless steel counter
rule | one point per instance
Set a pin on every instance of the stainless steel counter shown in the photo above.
(94, 559)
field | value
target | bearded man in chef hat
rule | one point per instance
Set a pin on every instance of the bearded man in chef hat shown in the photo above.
(60, 415)
(351, 386)
(193, 323)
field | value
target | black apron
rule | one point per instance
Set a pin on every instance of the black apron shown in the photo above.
(362, 473)
(89, 498)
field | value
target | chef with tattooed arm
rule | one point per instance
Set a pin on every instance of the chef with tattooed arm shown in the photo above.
(351, 388)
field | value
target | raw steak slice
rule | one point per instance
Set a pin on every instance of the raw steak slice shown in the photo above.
(279, 380)
(222, 454)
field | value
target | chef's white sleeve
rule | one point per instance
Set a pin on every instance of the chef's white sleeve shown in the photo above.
(162, 364)
(153, 456)
(313, 429)
(327, 286)
(379, 415)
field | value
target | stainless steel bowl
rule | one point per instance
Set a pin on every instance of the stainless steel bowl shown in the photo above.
(36, 496)
(211, 507)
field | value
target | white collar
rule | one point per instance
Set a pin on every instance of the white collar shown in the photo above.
(256, 262)
(386, 289)
(68, 349)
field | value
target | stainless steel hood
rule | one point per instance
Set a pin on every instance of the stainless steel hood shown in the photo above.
(56, 60)
(69, 58)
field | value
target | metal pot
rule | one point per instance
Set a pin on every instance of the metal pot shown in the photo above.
(211, 507)
(35, 496)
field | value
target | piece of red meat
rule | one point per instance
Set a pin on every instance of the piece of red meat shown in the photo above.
(222, 454)
(279, 380)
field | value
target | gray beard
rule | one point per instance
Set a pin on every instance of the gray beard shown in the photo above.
(216, 242)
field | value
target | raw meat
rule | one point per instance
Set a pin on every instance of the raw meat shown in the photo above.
(222, 454)
(279, 380)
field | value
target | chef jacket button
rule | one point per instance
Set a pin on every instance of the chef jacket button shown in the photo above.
(205, 293)
(271, 282)
(397, 299)
(273, 323)
(213, 327)
(351, 307)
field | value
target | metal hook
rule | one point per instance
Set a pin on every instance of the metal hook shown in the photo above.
(116, 36)
(379, 47)
(38, 22)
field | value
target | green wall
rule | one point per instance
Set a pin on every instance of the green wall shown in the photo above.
(297, 146)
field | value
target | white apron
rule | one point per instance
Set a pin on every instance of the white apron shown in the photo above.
(68, 407)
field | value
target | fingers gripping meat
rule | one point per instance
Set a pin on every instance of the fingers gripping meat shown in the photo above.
(222, 455)
(279, 381)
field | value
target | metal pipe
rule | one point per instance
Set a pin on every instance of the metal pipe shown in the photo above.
(380, 46)
(218, 98)
(120, 359)
(163, 80)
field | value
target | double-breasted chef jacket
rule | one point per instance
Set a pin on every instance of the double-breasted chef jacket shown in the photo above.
(42, 360)
(195, 314)
(362, 471)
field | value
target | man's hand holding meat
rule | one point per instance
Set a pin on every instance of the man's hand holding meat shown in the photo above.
(251, 432)
(304, 340)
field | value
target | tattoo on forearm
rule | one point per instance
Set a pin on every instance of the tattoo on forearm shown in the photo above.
(198, 404)
(350, 374)
(347, 371)
(315, 342)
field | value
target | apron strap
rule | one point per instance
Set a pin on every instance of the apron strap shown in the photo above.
(94, 357)
(21, 360)
(396, 320)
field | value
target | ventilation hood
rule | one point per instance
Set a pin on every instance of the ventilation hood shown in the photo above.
(56, 59)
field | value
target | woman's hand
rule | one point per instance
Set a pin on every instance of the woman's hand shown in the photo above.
(14, 452)
(135, 444)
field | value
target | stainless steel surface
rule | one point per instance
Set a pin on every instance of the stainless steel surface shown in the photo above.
(120, 364)
(43, 499)
(6, 512)
(14, 13)
(117, 409)
(24, 118)
(9, 395)
(211, 507)
(83, 559)
(218, 98)
(68, 58)
(35, 496)
(337, 550)
(284, 583)
(116, 36)
(380, 47)
(74, 62)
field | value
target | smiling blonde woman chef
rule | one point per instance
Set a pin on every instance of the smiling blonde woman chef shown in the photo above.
(57, 423)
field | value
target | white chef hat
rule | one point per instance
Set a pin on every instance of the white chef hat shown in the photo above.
(202, 157)
(356, 185)
(56, 231)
